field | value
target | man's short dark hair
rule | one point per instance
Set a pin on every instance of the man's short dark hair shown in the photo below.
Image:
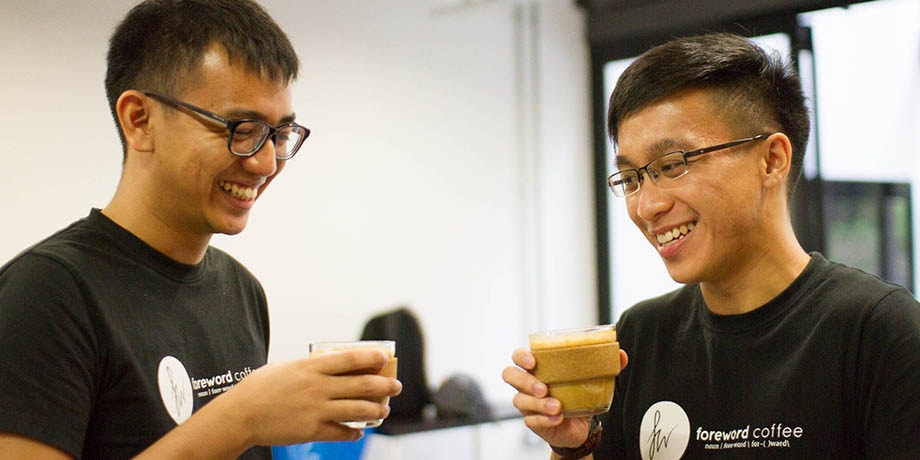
(160, 43)
(757, 91)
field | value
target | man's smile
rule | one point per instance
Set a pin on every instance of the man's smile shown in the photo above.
(239, 191)
(675, 233)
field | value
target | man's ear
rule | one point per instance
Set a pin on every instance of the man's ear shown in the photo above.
(777, 160)
(134, 117)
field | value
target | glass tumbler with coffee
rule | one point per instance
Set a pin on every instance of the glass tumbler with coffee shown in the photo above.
(389, 370)
(579, 367)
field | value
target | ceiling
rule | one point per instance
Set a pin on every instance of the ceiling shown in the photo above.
(614, 20)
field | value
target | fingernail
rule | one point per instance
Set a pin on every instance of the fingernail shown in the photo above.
(553, 406)
(539, 390)
(529, 362)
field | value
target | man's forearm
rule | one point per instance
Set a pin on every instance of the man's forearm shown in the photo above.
(206, 435)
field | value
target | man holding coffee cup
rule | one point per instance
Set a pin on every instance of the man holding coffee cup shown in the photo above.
(768, 351)
(127, 335)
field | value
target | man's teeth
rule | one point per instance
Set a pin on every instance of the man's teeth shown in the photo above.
(675, 233)
(239, 192)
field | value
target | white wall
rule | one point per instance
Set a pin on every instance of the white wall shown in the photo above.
(449, 167)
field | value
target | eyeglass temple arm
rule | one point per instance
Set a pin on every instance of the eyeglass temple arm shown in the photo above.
(185, 105)
(726, 145)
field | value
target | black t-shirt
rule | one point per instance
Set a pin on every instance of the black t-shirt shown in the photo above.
(107, 344)
(830, 368)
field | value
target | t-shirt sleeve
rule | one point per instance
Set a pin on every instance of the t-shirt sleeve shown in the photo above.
(47, 363)
(889, 378)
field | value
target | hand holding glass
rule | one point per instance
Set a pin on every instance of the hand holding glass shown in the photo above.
(389, 370)
(578, 366)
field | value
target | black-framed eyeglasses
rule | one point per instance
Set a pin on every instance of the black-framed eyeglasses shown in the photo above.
(670, 166)
(247, 136)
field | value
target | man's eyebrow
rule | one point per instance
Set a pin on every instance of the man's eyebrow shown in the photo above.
(658, 148)
(623, 163)
(256, 115)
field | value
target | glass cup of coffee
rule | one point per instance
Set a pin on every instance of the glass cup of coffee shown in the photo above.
(389, 370)
(579, 367)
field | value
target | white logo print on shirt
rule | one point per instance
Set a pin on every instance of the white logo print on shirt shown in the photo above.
(175, 389)
(664, 432)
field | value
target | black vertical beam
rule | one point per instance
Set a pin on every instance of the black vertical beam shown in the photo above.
(601, 194)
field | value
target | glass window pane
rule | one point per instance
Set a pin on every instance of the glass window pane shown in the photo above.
(867, 68)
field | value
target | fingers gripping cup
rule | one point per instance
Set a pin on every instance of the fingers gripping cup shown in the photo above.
(579, 366)
(389, 370)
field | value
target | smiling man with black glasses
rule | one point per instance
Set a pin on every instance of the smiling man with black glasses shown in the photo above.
(126, 335)
(767, 351)
(245, 137)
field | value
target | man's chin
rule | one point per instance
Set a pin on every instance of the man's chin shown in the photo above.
(677, 273)
(233, 226)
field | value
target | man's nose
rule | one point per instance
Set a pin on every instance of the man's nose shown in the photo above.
(651, 201)
(263, 162)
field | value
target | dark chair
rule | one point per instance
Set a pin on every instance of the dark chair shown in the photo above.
(402, 326)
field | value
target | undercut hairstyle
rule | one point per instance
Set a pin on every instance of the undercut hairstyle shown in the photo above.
(757, 92)
(160, 44)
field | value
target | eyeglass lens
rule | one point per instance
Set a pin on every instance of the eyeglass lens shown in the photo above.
(249, 136)
(671, 166)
